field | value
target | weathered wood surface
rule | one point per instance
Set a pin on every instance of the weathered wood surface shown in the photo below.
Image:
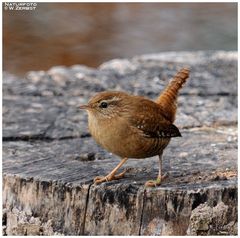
(49, 158)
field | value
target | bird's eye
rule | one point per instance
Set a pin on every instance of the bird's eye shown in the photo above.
(103, 105)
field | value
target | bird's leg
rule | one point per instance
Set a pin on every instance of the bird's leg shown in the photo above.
(111, 176)
(160, 177)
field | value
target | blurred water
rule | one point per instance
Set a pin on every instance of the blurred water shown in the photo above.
(77, 33)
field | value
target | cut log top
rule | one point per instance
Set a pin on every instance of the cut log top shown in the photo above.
(49, 158)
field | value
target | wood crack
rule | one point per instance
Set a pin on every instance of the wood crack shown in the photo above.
(142, 211)
(82, 232)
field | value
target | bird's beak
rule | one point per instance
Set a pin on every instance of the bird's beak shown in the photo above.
(84, 106)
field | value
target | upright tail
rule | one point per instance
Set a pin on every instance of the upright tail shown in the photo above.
(168, 99)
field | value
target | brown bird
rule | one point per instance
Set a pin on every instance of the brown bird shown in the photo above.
(133, 126)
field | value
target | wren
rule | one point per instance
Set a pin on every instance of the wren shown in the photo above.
(133, 126)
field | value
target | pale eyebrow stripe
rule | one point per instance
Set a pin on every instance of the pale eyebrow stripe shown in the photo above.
(113, 99)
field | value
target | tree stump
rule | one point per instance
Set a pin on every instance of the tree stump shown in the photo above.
(50, 159)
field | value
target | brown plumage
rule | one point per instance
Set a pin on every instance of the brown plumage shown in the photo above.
(133, 126)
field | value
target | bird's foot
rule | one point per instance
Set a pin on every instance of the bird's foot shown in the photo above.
(109, 177)
(153, 183)
(157, 182)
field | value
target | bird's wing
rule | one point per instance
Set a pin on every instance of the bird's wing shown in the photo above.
(151, 122)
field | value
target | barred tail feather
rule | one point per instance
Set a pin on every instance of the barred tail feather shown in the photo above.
(168, 99)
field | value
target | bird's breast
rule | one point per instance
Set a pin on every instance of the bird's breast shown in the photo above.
(109, 133)
(120, 138)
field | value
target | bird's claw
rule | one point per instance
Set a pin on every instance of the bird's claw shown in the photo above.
(157, 182)
(110, 177)
(153, 183)
(100, 179)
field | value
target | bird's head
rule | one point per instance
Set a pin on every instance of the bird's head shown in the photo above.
(106, 104)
